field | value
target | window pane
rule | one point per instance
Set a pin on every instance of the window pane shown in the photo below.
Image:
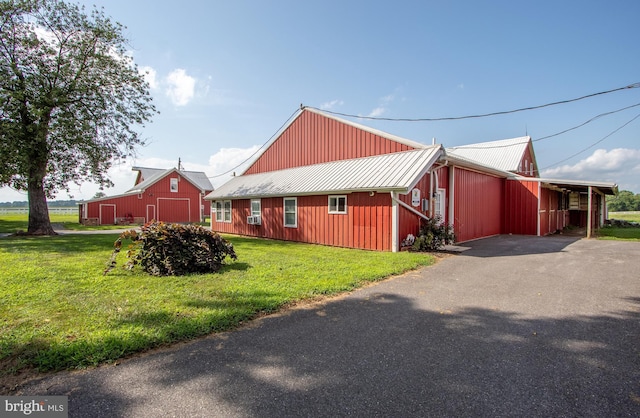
(290, 212)
(219, 214)
(255, 208)
(342, 203)
(227, 211)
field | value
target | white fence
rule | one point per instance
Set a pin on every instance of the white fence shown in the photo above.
(55, 210)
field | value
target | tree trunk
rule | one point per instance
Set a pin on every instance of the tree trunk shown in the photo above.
(39, 222)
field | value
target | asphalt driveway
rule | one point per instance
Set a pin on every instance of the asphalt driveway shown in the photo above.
(512, 326)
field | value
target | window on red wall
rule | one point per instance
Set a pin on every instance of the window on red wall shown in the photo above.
(174, 185)
(291, 212)
(337, 204)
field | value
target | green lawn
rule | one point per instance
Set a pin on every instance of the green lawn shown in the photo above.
(58, 310)
(625, 216)
(617, 233)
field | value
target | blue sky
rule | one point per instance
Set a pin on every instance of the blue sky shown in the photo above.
(226, 75)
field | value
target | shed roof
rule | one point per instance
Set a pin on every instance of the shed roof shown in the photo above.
(397, 171)
(152, 175)
(505, 154)
(574, 185)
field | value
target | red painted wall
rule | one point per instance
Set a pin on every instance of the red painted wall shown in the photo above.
(410, 222)
(521, 207)
(479, 204)
(314, 138)
(366, 225)
(528, 157)
(181, 206)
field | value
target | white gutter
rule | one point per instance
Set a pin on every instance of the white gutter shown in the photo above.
(589, 216)
(395, 220)
(395, 243)
(401, 203)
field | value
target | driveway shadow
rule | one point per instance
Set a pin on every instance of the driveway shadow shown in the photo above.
(513, 245)
(380, 356)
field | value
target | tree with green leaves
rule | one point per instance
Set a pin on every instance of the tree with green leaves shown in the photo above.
(624, 201)
(70, 100)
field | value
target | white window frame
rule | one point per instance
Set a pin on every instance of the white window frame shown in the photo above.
(257, 212)
(440, 207)
(221, 211)
(174, 185)
(295, 212)
(227, 211)
(334, 208)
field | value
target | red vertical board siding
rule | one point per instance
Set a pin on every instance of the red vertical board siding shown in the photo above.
(544, 211)
(409, 222)
(521, 207)
(314, 138)
(479, 201)
(174, 208)
(366, 225)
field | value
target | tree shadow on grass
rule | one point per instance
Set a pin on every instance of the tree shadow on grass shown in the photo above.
(71, 244)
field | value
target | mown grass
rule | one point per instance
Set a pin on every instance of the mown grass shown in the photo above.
(12, 223)
(58, 310)
(625, 216)
(621, 233)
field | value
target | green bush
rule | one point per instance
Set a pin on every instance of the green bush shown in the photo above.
(434, 235)
(166, 249)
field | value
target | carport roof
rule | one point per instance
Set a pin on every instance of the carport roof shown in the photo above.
(575, 185)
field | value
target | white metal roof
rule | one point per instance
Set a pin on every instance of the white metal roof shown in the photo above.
(152, 175)
(575, 185)
(397, 171)
(504, 154)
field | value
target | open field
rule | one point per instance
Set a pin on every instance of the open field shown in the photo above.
(12, 221)
(59, 311)
(625, 216)
(621, 233)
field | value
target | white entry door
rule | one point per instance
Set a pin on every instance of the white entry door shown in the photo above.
(440, 204)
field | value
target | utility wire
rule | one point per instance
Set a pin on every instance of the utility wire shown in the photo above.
(594, 144)
(590, 120)
(548, 136)
(261, 146)
(630, 86)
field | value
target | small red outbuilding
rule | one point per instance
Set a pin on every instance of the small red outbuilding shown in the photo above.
(330, 181)
(164, 195)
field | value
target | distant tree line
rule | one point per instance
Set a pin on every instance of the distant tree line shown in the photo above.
(52, 204)
(625, 201)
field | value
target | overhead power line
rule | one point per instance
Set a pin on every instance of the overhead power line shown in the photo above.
(258, 150)
(483, 115)
(594, 144)
(548, 136)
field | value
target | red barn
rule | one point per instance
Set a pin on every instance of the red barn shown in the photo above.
(164, 195)
(330, 181)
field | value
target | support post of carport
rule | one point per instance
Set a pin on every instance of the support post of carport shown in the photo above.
(589, 212)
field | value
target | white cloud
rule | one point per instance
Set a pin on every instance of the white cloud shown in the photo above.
(619, 165)
(234, 159)
(150, 75)
(383, 105)
(330, 105)
(180, 87)
(378, 111)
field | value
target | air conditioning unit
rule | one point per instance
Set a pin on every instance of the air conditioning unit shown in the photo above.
(254, 220)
